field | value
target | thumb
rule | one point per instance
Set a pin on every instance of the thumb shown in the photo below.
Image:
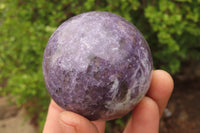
(74, 123)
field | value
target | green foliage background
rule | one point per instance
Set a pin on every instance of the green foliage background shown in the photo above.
(171, 27)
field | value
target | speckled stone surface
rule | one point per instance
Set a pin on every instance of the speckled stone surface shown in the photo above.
(98, 65)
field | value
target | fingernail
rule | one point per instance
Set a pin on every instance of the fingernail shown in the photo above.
(66, 128)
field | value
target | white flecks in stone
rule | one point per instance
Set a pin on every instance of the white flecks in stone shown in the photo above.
(142, 83)
(118, 106)
(76, 44)
(113, 90)
(112, 78)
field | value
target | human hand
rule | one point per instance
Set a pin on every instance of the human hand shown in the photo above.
(145, 116)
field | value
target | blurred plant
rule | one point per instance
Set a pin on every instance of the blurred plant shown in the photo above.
(172, 29)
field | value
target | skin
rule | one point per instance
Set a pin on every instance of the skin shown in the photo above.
(145, 117)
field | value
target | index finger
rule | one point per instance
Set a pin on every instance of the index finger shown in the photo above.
(161, 88)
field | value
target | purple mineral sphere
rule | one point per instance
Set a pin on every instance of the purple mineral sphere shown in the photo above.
(97, 64)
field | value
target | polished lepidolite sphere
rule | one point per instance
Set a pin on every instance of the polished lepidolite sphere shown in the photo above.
(97, 64)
